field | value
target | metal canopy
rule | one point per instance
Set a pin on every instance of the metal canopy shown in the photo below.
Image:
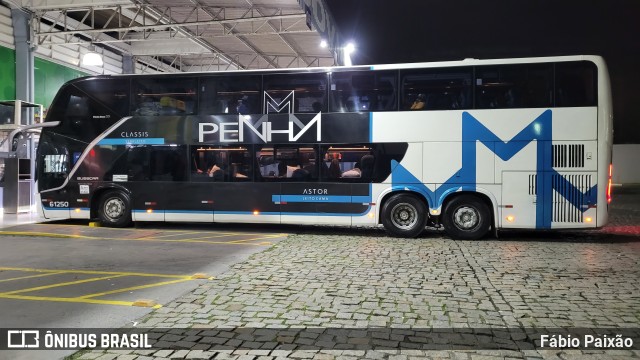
(187, 35)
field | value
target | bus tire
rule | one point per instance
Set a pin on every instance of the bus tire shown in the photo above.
(404, 215)
(114, 209)
(466, 217)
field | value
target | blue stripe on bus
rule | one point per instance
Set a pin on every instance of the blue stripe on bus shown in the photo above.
(320, 199)
(132, 141)
(188, 211)
(260, 213)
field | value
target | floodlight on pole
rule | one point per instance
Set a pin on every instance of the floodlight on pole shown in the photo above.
(92, 58)
(349, 49)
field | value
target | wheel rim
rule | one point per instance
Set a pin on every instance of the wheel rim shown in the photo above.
(404, 216)
(114, 208)
(466, 218)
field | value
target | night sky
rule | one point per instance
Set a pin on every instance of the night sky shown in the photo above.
(396, 31)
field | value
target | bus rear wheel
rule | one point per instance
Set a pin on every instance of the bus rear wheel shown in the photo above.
(115, 209)
(466, 217)
(404, 215)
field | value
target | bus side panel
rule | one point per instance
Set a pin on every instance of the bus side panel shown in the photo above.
(246, 202)
(149, 201)
(318, 203)
(189, 201)
(55, 205)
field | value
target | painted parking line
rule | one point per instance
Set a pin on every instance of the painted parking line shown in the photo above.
(202, 239)
(169, 235)
(43, 234)
(62, 284)
(264, 237)
(133, 288)
(32, 276)
(71, 300)
(89, 298)
(95, 272)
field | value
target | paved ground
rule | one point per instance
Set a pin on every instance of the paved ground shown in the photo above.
(68, 275)
(325, 280)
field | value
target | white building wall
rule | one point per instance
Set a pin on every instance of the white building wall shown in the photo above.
(626, 161)
(6, 28)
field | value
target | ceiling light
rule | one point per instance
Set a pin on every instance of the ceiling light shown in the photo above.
(323, 43)
(92, 58)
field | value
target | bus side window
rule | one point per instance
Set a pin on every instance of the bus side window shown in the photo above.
(364, 163)
(230, 95)
(112, 93)
(576, 84)
(154, 96)
(436, 89)
(363, 91)
(514, 86)
(288, 163)
(300, 93)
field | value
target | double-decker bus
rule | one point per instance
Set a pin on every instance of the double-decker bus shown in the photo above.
(470, 145)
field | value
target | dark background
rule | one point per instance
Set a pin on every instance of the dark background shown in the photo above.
(396, 31)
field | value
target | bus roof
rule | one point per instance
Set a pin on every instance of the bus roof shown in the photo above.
(598, 60)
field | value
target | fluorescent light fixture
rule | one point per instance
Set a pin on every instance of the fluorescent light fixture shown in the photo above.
(92, 58)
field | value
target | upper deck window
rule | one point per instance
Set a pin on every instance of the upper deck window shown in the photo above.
(576, 84)
(514, 86)
(299, 93)
(356, 91)
(164, 96)
(112, 93)
(230, 95)
(436, 89)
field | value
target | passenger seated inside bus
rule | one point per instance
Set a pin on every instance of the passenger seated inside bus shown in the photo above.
(334, 169)
(355, 172)
(216, 173)
(418, 103)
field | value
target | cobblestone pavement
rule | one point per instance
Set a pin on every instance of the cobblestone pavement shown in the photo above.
(364, 280)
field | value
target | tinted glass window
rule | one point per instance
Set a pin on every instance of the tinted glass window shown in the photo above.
(81, 115)
(288, 163)
(220, 163)
(363, 91)
(164, 96)
(576, 84)
(359, 163)
(230, 95)
(436, 89)
(145, 162)
(514, 86)
(299, 93)
(113, 93)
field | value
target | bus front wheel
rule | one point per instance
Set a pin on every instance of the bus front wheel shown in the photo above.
(115, 209)
(466, 217)
(404, 215)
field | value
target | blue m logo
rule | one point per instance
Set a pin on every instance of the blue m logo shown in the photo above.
(539, 130)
